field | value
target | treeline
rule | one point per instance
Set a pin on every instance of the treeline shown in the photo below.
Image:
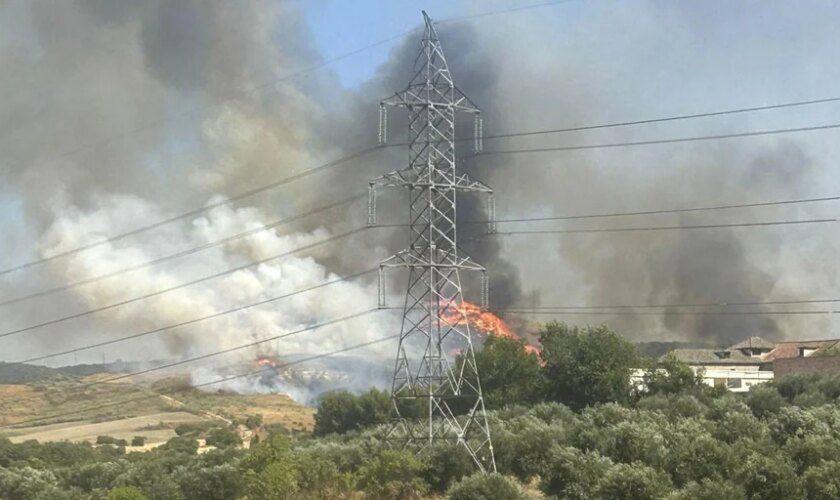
(568, 425)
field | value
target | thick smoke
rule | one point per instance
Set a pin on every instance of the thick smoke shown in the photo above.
(187, 81)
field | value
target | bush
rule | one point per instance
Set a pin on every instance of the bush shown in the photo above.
(671, 376)
(633, 482)
(572, 474)
(138, 441)
(254, 422)
(393, 475)
(111, 440)
(481, 486)
(765, 400)
(223, 438)
(822, 482)
(341, 411)
(126, 493)
(181, 444)
(585, 366)
(709, 489)
(768, 477)
(510, 374)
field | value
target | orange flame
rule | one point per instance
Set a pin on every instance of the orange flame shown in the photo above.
(266, 362)
(483, 321)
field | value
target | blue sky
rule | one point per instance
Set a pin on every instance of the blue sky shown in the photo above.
(340, 27)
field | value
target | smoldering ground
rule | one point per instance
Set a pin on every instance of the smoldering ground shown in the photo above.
(188, 83)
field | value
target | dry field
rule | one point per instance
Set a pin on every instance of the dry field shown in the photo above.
(123, 410)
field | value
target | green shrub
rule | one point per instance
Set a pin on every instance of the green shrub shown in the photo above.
(572, 474)
(822, 482)
(126, 493)
(341, 411)
(764, 400)
(223, 438)
(709, 489)
(481, 486)
(181, 444)
(633, 482)
(392, 475)
(766, 477)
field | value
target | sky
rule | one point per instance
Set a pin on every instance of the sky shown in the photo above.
(338, 26)
(116, 113)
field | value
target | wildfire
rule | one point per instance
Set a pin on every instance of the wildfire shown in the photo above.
(266, 362)
(483, 321)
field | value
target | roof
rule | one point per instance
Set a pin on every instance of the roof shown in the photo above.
(754, 343)
(791, 349)
(714, 357)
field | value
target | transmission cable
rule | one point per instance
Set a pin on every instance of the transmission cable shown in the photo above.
(196, 211)
(199, 319)
(268, 84)
(685, 304)
(657, 228)
(206, 384)
(186, 284)
(182, 253)
(668, 313)
(664, 119)
(363, 152)
(204, 356)
(657, 141)
(655, 212)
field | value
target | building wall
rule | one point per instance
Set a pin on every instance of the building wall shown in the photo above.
(786, 366)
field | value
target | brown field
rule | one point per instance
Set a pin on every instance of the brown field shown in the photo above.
(124, 410)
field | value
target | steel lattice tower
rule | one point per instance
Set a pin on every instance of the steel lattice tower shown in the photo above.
(444, 386)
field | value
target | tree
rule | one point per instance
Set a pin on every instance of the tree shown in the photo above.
(510, 374)
(481, 486)
(341, 411)
(634, 482)
(822, 482)
(393, 475)
(126, 493)
(709, 489)
(669, 375)
(223, 438)
(765, 400)
(219, 482)
(572, 474)
(181, 444)
(278, 481)
(768, 477)
(585, 366)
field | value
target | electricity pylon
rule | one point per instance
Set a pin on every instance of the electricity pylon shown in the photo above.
(444, 387)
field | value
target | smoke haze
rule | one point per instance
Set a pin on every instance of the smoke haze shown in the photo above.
(181, 89)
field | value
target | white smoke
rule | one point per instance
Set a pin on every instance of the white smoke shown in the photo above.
(270, 279)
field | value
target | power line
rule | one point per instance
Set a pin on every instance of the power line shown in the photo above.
(196, 211)
(150, 332)
(206, 384)
(665, 119)
(664, 211)
(339, 161)
(182, 253)
(659, 228)
(667, 313)
(498, 12)
(688, 304)
(271, 83)
(659, 141)
(185, 284)
(203, 318)
(208, 355)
